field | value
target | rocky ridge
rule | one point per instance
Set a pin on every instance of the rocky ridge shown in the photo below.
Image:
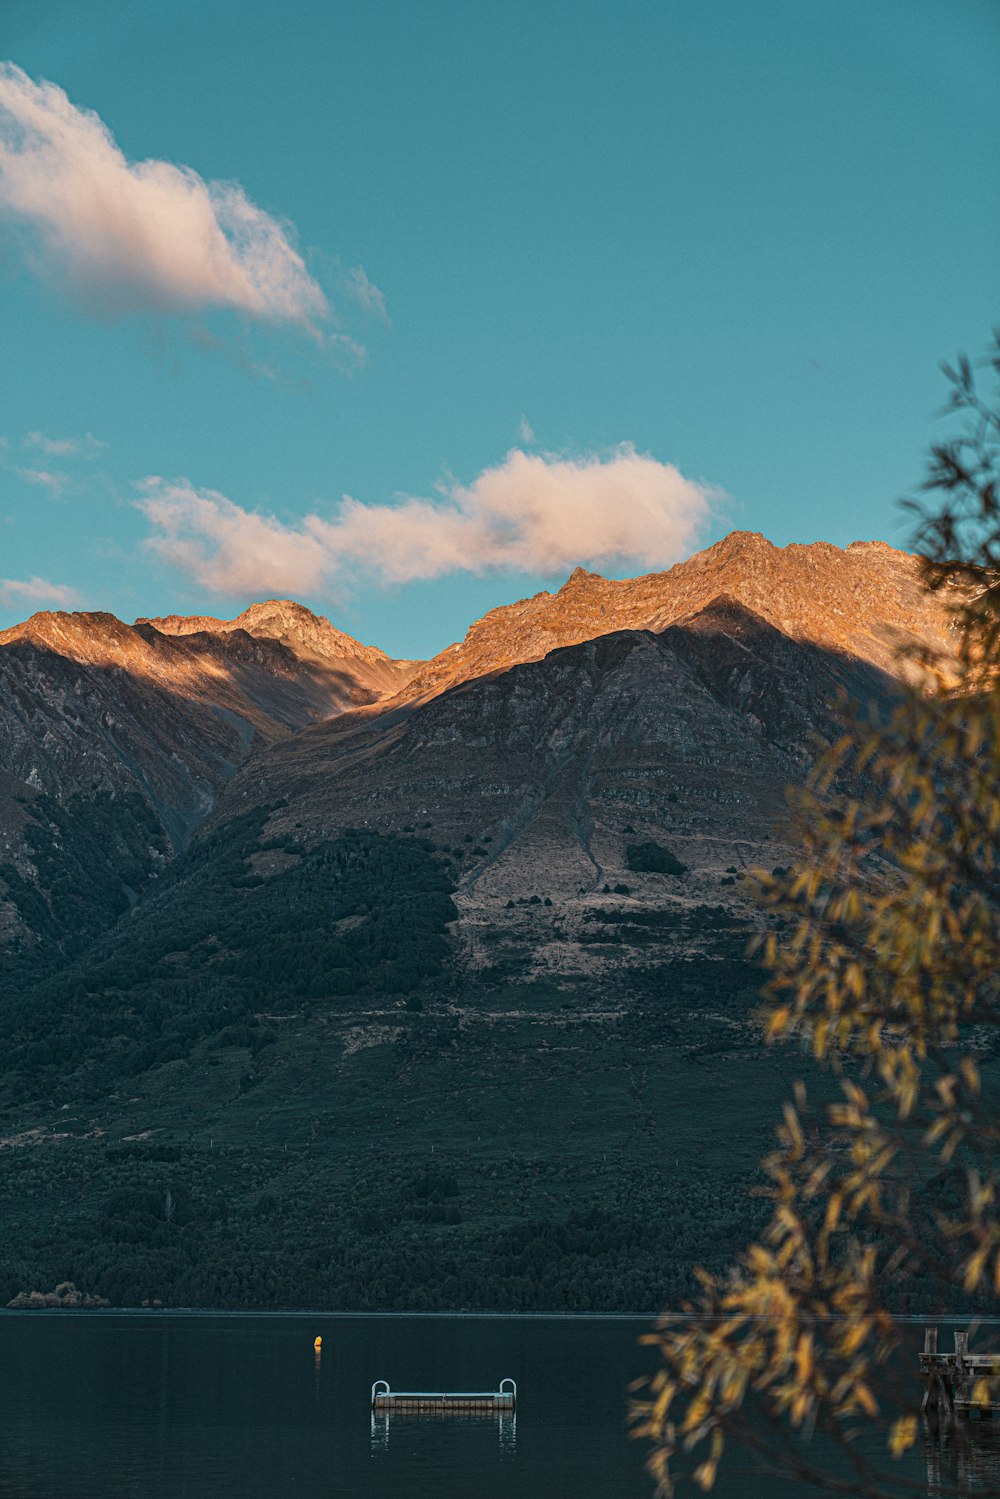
(863, 601)
(309, 636)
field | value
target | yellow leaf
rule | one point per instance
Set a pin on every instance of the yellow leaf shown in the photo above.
(866, 1400)
(804, 1357)
(902, 1435)
(970, 1073)
(704, 1474)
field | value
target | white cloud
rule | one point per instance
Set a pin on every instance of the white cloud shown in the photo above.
(525, 432)
(144, 236)
(532, 513)
(34, 590)
(225, 548)
(87, 446)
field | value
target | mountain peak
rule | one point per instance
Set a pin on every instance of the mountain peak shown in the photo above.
(579, 578)
(280, 611)
(741, 544)
(312, 640)
(251, 619)
(735, 539)
(83, 635)
(284, 620)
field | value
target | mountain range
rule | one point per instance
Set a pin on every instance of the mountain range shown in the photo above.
(726, 662)
(412, 965)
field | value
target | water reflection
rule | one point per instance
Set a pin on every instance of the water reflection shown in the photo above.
(380, 1432)
(117, 1406)
(504, 1422)
(962, 1457)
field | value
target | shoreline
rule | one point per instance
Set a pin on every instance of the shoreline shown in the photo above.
(909, 1319)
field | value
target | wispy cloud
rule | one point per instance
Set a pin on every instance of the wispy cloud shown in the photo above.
(203, 338)
(87, 446)
(144, 236)
(34, 590)
(44, 478)
(532, 513)
(525, 432)
(366, 293)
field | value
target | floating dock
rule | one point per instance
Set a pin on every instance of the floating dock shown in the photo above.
(435, 1402)
(959, 1383)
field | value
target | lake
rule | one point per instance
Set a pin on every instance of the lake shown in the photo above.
(203, 1406)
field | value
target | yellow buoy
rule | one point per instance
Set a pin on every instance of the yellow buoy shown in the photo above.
(318, 1344)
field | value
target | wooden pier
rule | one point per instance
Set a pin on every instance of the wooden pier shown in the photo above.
(960, 1383)
(438, 1402)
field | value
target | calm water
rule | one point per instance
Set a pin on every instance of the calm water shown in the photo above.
(205, 1407)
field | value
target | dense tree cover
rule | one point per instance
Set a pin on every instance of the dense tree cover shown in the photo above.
(227, 1003)
(93, 855)
(204, 1229)
(888, 954)
(653, 858)
(494, 1148)
(356, 915)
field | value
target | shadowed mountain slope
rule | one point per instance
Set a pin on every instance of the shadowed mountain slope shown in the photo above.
(135, 730)
(539, 784)
(341, 671)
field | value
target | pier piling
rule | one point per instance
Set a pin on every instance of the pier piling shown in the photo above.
(960, 1383)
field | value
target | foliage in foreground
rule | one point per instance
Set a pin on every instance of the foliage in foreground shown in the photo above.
(888, 954)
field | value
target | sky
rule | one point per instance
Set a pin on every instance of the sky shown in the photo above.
(404, 308)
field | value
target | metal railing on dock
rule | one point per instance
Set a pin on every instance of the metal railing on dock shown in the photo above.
(959, 1383)
(415, 1402)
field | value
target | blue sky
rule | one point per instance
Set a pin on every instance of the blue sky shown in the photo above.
(696, 263)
